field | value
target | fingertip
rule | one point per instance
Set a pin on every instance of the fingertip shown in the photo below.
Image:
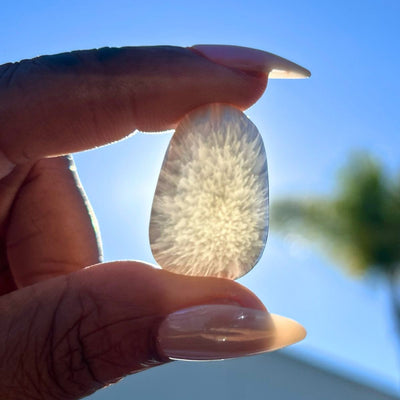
(156, 287)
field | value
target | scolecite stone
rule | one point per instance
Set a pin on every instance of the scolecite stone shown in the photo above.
(210, 208)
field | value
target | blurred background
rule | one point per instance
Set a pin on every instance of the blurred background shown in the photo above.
(331, 258)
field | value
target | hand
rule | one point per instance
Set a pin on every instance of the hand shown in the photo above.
(67, 330)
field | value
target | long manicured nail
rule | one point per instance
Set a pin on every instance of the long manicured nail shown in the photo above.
(215, 332)
(6, 166)
(249, 59)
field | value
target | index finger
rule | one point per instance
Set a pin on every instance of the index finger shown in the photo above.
(54, 105)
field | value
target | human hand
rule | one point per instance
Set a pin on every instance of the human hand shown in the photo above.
(67, 330)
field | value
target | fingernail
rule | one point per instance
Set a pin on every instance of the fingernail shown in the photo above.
(215, 332)
(248, 59)
(6, 166)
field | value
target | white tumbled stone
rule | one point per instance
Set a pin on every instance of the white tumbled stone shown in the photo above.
(210, 208)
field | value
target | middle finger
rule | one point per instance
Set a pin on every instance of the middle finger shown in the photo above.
(51, 229)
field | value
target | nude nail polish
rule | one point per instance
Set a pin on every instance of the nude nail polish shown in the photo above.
(215, 332)
(248, 59)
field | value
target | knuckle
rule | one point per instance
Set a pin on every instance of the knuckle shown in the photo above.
(19, 355)
(44, 350)
(71, 361)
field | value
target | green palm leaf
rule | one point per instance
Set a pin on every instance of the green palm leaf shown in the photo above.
(359, 226)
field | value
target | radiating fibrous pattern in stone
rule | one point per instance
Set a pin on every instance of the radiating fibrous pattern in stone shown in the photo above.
(210, 208)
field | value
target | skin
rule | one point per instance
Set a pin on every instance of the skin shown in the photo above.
(67, 330)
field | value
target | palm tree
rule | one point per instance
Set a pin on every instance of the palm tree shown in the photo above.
(359, 226)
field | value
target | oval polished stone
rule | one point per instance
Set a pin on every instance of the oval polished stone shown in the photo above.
(210, 208)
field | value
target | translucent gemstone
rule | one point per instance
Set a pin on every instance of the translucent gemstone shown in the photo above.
(210, 208)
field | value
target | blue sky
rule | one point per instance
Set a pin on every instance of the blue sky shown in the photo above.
(309, 128)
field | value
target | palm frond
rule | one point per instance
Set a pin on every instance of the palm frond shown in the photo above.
(359, 225)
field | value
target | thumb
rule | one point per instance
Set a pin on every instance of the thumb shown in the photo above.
(67, 337)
